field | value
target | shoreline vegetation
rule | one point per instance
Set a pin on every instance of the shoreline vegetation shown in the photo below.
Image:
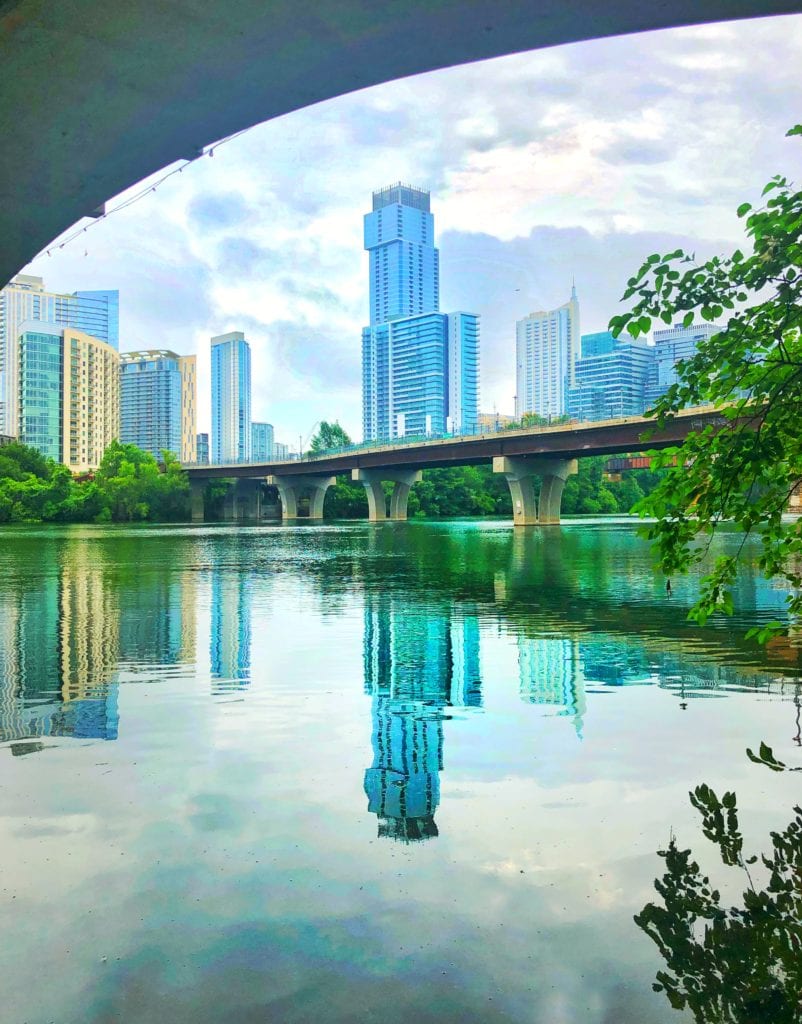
(130, 485)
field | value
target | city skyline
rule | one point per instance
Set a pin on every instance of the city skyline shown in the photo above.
(599, 173)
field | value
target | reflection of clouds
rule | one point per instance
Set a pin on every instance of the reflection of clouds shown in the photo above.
(416, 663)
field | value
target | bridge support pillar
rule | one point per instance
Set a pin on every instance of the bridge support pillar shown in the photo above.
(248, 499)
(243, 500)
(230, 504)
(373, 480)
(520, 474)
(290, 489)
(196, 505)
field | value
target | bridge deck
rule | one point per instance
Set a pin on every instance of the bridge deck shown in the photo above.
(565, 441)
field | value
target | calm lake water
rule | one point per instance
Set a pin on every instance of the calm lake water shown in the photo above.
(398, 772)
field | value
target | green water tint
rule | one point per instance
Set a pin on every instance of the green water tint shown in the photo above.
(356, 772)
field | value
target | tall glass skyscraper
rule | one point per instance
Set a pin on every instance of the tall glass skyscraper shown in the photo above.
(97, 313)
(547, 348)
(25, 298)
(41, 390)
(420, 367)
(404, 264)
(150, 401)
(420, 376)
(231, 398)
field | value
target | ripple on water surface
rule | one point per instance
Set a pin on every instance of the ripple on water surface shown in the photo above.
(362, 773)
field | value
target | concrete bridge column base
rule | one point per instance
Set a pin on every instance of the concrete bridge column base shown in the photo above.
(230, 504)
(248, 497)
(373, 480)
(520, 474)
(196, 505)
(290, 489)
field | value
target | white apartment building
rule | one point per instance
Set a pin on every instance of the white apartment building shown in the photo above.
(547, 348)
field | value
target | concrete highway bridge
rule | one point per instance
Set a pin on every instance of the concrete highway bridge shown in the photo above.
(545, 454)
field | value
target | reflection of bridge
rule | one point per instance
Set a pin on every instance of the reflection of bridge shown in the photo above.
(524, 457)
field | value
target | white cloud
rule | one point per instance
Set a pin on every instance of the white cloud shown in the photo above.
(573, 160)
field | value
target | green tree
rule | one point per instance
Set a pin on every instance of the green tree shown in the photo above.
(135, 487)
(329, 435)
(745, 469)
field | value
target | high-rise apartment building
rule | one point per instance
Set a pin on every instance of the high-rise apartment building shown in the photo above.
(420, 376)
(671, 346)
(420, 367)
(157, 402)
(69, 394)
(231, 398)
(610, 378)
(188, 365)
(202, 450)
(25, 298)
(547, 348)
(280, 451)
(261, 442)
(404, 263)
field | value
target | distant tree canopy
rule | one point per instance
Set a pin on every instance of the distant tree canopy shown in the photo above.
(128, 485)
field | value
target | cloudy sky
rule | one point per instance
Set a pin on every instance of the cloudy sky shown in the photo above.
(576, 161)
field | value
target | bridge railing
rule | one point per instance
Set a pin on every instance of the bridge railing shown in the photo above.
(424, 440)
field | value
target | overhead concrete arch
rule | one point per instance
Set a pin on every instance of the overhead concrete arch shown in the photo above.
(95, 96)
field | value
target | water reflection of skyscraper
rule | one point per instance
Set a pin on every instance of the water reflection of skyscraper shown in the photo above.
(417, 662)
(550, 672)
(157, 619)
(230, 643)
(58, 654)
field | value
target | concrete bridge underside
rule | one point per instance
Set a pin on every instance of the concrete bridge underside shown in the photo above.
(535, 463)
(96, 96)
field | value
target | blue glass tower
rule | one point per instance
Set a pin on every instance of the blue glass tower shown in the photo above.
(261, 442)
(97, 313)
(150, 401)
(404, 263)
(610, 379)
(231, 398)
(41, 404)
(420, 367)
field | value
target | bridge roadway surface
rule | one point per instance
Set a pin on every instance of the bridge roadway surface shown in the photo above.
(562, 442)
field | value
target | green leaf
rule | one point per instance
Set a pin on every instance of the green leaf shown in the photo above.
(687, 320)
(743, 209)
